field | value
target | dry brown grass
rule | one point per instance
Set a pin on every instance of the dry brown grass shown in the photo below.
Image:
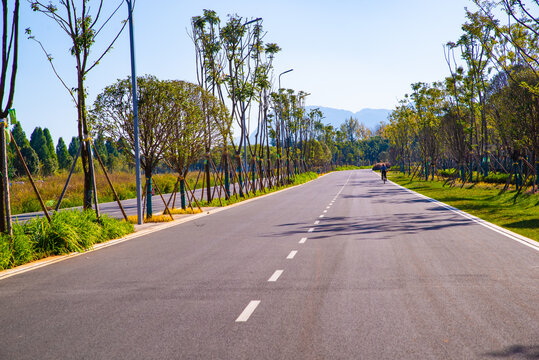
(23, 198)
(133, 219)
(180, 211)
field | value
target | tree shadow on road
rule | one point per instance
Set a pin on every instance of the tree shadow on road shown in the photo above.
(375, 226)
(516, 352)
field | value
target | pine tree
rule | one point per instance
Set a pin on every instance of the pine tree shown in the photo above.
(73, 146)
(100, 147)
(19, 135)
(38, 142)
(30, 158)
(64, 159)
(29, 155)
(113, 155)
(52, 160)
(50, 143)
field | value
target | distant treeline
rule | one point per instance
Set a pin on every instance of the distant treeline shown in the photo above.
(351, 144)
(43, 158)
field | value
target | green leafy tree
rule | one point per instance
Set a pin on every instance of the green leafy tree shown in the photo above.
(113, 111)
(192, 109)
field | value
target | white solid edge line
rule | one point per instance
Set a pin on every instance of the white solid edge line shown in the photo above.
(302, 241)
(275, 275)
(292, 254)
(310, 230)
(249, 309)
(508, 233)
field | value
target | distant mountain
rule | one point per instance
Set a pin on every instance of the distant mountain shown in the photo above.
(370, 117)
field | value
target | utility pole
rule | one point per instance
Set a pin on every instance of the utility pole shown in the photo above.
(135, 113)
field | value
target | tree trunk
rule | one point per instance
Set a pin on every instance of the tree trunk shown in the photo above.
(84, 141)
(6, 207)
(182, 193)
(208, 177)
(226, 169)
(240, 179)
(149, 208)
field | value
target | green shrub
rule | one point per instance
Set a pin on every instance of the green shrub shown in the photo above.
(69, 231)
(5, 252)
(496, 178)
(113, 228)
(23, 248)
(448, 173)
(30, 205)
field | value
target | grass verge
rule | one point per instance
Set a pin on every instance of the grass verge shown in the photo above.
(518, 214)
(68, 231)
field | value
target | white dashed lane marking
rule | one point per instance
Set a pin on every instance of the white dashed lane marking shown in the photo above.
(251, 307)
(302, 241)
(292, 254)
(275, 275)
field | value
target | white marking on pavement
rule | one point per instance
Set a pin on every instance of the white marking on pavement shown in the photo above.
(292, 254)
(321, 216)
(325, 211)
(310, 230)
(244, 316)
(302, 241)
(317, 222)
(327, 207)
(275, 275)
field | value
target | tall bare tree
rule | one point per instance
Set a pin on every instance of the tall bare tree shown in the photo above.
(10, 50)
(76, 20)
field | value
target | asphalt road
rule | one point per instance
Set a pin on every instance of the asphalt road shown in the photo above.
(360, 270)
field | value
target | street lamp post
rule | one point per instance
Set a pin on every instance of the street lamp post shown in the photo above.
(135, 114)
(281, 114)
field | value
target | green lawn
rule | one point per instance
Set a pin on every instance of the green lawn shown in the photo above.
(520, 215)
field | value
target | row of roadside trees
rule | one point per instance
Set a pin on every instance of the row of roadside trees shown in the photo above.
(181, 123)
(483, 117)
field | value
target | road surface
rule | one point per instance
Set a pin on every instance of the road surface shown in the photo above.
(343, 267)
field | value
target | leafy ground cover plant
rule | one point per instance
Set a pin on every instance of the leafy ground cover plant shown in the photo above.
(69, 231)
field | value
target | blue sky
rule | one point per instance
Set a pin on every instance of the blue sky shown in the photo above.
(348, 54)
